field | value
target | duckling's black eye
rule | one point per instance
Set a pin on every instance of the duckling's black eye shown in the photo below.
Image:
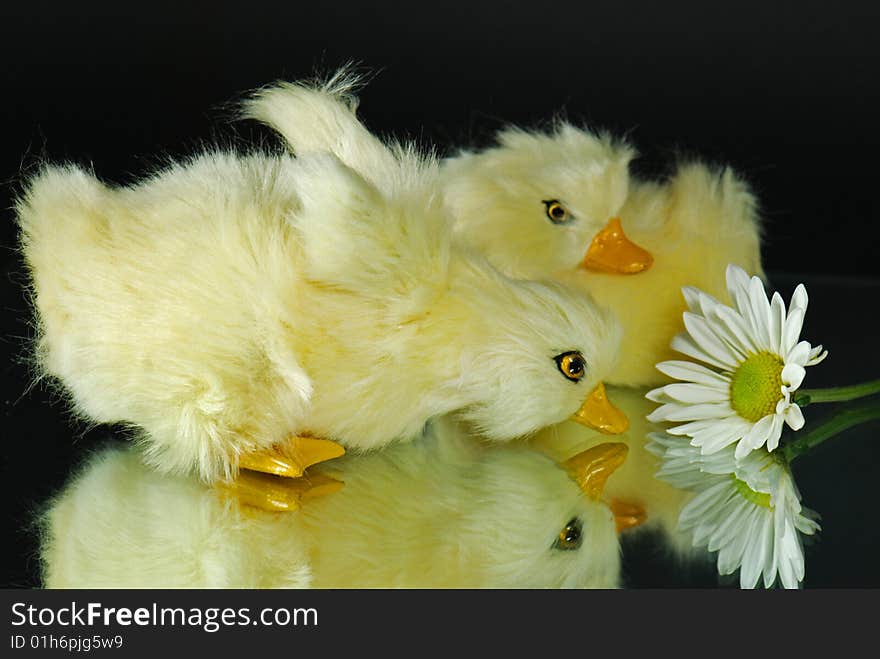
(570, 536)
(556, 212)
(572, 365)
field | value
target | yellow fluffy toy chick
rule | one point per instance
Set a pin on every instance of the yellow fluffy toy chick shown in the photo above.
(535, 205)
(554, 205)
(231, 301)
(491, 204)
(442, 511)
(547, 205)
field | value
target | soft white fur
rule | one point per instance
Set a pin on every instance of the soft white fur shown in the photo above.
(229, 301)
(694, 224)
(320, 116)
(443, 511)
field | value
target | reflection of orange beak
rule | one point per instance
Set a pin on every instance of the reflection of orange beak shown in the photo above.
(611, 251)
(598, 413)
(626, 515)
(591, 468)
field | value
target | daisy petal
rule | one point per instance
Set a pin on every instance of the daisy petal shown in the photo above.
(672, 412)
(794, 323)
(738, 287)
(805, 524)
(696, 393)
(699, 505)
(737, 546)
(760, 308)
(692, 299)
(792, 375)
(799, 354)
(766, 554)
(657, 395)
(815, 357)
(794, 417)
(799, 298)
(737, 329)
(693, 427)
(790, 557)
(776, 321)
(755, 437)
(701, 332)
(737, 280)
(753, 563)
(682, 370)
(774, 433)
(685, 345)
(716, 437)
(732, 523)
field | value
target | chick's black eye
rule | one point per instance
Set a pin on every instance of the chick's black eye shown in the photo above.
(572, 365)
(556, 212)
(570, 537)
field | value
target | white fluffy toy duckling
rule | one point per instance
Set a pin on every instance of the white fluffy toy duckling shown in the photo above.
(442, 511)
(554, 204)
(229, 302)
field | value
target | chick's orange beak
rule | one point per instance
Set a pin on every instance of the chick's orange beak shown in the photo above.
(590, 469)
(611, 251)
(598, 413)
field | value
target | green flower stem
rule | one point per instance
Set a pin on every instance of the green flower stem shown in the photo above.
(837, 394)
(838, 422)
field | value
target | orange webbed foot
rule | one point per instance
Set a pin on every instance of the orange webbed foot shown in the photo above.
(276, 479)
(291, 458)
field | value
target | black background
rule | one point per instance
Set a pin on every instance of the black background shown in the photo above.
(787, 93)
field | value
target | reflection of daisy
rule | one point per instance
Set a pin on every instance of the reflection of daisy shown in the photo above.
(747, 510)
(753, 364)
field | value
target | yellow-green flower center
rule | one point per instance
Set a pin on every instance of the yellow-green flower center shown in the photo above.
(747, 493)
(756, 386)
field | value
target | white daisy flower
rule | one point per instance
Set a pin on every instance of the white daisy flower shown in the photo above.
(752, 362)
(747, 510)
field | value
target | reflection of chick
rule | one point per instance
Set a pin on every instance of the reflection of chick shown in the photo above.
(634, 493)
(230, 301)
(441, 512)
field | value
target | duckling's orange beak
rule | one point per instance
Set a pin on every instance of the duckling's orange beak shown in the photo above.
(590, 469)
(598, 413)
(611, 251)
